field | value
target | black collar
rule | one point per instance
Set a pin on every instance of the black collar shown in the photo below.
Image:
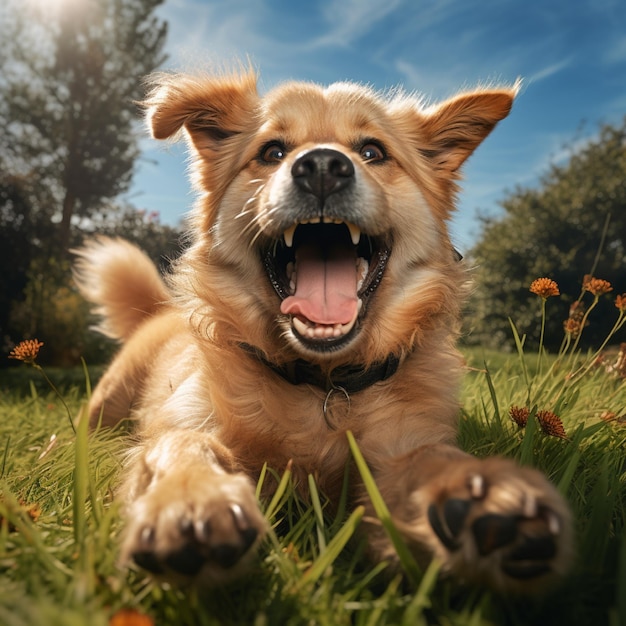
(349, 378)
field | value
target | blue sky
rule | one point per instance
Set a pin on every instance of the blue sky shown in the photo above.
(571, 55)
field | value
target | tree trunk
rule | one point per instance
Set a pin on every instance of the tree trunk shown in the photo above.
(65, 228)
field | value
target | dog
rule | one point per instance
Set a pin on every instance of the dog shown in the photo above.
(320, 293)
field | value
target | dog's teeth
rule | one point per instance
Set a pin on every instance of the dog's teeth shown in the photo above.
(288, 235)
(300, 326)
(362, 267)
(355, 233)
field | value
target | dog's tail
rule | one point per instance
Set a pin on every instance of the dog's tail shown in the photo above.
(122, 282)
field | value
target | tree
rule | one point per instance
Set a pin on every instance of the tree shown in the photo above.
(70, 76)
(70, 73)
(554, 230)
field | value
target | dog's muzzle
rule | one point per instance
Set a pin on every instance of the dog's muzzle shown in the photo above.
(324, 268)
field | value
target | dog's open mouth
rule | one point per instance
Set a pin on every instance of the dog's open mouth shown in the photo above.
(325, 274)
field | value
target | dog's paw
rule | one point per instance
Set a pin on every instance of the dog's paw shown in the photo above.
(493, 522)
(196, 524)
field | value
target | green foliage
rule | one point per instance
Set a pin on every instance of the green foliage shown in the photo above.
(67, 151)
(554, 230)
(70, 79)
(53, 311)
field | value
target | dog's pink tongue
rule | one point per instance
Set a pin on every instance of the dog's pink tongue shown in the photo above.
(325, 285)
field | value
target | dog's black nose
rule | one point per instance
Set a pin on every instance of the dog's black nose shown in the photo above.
(322, 171)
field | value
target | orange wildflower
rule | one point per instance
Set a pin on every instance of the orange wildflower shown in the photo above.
(596, 286)
(544, 287)
(130, 617)
(620, 302)
(551, 424)
(26, 350)
(572, 326)
(519, 414)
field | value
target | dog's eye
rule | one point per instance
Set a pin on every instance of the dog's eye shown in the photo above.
(273, 152)
(372, 152)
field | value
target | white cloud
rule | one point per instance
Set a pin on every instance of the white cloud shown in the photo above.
(616, 53)
(348, 20)
(548, 71)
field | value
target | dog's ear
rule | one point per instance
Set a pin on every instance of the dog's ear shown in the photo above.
(211, 109)
(455, 128)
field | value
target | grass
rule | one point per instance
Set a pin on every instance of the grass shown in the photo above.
(60, 526)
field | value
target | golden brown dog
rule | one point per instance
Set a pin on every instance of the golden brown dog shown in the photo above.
(320, 294)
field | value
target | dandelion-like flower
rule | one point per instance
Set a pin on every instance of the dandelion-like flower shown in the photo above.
(572, 326)
(620, 302)
(519, 414)
(551, 424)
(26, 350)
(544, 287)
(596, 286)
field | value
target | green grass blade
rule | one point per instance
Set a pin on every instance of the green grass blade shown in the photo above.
(406, 558)
(526, 452)
(319, 514)
(332, 551)
(5, 456)
(519, 344)
(81, 479)
(87, 379)
(414, 613)
(492, 392)
(276, 500)
(620, 586)
(261, 481)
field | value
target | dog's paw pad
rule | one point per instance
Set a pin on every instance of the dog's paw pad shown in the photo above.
(188, 560)
(493, 531)
(448, 522)
(203, 533)
(510, 525)
(222, 540)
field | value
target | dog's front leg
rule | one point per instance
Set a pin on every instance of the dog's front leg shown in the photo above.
(488, 521)
(190, 513)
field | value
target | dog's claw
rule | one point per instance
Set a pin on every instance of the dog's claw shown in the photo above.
(477, 487)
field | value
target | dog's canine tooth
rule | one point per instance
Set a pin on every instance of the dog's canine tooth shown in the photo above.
(355, 233)
(288, 235)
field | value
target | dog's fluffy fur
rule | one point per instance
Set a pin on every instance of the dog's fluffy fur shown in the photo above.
(206, 367)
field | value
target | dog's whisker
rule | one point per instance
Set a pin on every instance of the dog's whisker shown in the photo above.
(251, 200)
(255, 222)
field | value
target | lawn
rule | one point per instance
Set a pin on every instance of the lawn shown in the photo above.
(60, 526)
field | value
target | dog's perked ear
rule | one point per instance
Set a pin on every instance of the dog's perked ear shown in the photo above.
(455, 128)
(211, 109)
